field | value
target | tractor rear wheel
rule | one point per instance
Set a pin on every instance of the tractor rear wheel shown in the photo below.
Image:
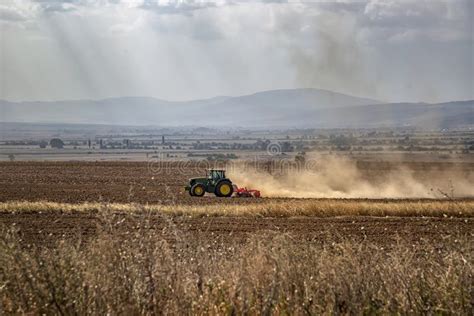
(198, 190)
(224, 189)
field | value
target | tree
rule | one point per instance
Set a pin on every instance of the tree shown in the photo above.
(286, 147)
(56, 143)
(342, 142)
(300, 158)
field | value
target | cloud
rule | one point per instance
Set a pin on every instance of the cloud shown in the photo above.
(177, 6)
(328, 54)
(394, 50)
(341, 6)
(419, 19)
(17, 11)
(11, 14)
(352, 47)
(50, 7)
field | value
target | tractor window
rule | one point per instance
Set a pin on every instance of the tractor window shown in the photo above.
(216, 174)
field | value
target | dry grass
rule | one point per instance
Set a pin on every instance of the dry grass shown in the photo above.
(141, 273)
(271, 207)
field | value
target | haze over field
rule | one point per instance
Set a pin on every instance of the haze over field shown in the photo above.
(277, 108)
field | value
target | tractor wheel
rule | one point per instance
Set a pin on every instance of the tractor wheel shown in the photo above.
(197, 190)
(224, 189)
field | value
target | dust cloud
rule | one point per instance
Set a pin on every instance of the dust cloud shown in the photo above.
(335, 177)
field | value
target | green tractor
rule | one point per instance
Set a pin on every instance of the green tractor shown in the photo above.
(214, 182)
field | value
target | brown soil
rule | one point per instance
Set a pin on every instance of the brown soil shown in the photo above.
(138, 182)
(75, 182)
(123, 182)
(47, 228)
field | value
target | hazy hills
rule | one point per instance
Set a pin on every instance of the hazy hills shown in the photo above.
(276, 108)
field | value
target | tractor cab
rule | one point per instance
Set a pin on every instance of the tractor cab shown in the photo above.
(215, 175)
(214, 182)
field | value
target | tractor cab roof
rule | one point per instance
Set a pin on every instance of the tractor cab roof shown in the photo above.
(210, 169)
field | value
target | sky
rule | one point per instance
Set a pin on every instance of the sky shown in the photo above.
(390, 50)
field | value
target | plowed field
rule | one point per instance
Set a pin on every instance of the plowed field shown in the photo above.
(120, 182)
(140, 182)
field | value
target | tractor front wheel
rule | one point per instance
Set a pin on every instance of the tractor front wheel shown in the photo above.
(224, 189)
(197, 190)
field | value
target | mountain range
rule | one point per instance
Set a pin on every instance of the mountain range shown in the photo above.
(312, 108)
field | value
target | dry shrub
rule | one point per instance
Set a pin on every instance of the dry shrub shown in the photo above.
(137, 271)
